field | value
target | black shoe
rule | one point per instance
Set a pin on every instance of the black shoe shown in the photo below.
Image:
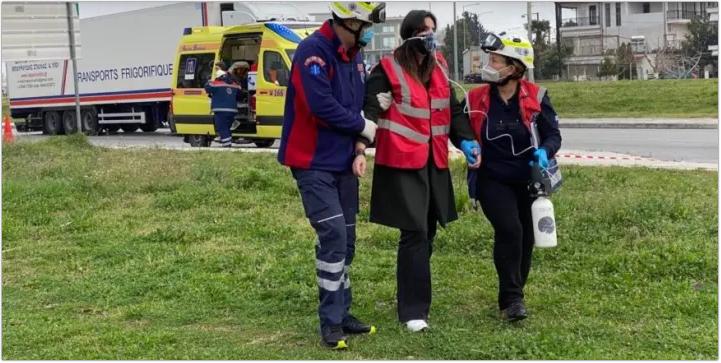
(515, 312)
(333, 337)
(351, 325)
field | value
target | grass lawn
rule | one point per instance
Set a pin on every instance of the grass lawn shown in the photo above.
(656, 98)
(156, 254)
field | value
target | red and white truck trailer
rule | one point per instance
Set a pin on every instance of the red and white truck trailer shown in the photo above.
(124, 68)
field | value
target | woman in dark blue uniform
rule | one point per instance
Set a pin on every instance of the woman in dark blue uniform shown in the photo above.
(504, 116)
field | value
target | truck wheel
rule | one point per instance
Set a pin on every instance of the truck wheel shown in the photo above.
(149, 128)
(171, 122)
(128, 128)
(89, 121)
(52, 124)
(151, 124)
(70, 123)
(199, 140)
(264, 142)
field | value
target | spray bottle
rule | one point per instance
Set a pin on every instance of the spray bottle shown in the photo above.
(544, 222)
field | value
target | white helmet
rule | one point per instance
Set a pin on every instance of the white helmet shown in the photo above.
(369, 12)
(516, 47)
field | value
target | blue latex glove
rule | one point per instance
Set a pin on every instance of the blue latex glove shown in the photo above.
(541, 157)
(468, 146)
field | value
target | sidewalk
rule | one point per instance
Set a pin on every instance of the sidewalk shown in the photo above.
(639, 123)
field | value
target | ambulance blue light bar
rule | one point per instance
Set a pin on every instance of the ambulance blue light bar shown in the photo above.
(284, 32)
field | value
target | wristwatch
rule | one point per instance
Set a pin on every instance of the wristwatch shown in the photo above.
(360, 152)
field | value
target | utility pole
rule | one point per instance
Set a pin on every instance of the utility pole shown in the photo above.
(455, 44)
(71, 30)
(530, 33)
(665, 24)
(558, 40)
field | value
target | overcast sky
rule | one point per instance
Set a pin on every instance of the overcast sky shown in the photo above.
(494, 15)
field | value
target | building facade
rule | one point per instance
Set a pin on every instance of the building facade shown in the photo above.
(593, 28)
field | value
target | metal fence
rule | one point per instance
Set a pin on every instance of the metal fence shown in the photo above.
(587, 21)
(683, 14)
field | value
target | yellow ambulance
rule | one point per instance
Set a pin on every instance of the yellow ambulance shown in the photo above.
(267, 46)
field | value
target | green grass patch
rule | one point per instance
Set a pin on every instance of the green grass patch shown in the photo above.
(156, 254)
(655, 98)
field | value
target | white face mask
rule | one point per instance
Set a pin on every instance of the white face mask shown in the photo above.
(490, 74)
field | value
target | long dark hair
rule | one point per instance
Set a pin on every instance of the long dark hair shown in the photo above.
(407, 53)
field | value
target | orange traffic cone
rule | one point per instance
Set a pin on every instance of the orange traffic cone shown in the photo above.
(8, 134)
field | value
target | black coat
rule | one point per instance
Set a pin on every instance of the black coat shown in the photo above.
(402, 198)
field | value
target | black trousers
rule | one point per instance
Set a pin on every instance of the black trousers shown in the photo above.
(507, 207)
(413, 270)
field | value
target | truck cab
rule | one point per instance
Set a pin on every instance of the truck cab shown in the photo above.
(268, 47)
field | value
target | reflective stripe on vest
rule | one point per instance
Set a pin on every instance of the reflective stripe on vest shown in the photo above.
(220, 109)
(440, 103)
(402, 130)
(440, 130)
(541, 93)
(223, 84)
(405, 106)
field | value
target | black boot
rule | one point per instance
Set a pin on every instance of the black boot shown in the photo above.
(333, 337)
(515, 312)
(351, 325)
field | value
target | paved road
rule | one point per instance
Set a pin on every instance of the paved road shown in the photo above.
(700, 146)
(662, 144)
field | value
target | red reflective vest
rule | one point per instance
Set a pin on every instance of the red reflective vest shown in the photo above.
(530, 96)
(416, 116)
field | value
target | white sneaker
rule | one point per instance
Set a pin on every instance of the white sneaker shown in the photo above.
(416, 325)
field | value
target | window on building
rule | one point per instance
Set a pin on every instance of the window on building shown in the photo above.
(618, 14)
(275, 70)
(646, 8)
(607, 14)
(592, 15)
(389, 42)
(388, 29)
(195, 70)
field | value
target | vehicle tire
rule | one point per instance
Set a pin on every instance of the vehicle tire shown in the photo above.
(199, 140)
(263, 143)
(171, 122)
(70, 122)
(151, 124)
(89, 118)
(52, 123)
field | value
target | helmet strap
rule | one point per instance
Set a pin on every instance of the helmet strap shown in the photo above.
(356, 33)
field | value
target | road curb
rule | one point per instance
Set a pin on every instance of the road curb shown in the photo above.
(651, 125)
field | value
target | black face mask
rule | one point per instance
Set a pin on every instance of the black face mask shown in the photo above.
(420, 47)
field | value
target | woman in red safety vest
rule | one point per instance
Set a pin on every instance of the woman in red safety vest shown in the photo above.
(515, 124)
(409, 96)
